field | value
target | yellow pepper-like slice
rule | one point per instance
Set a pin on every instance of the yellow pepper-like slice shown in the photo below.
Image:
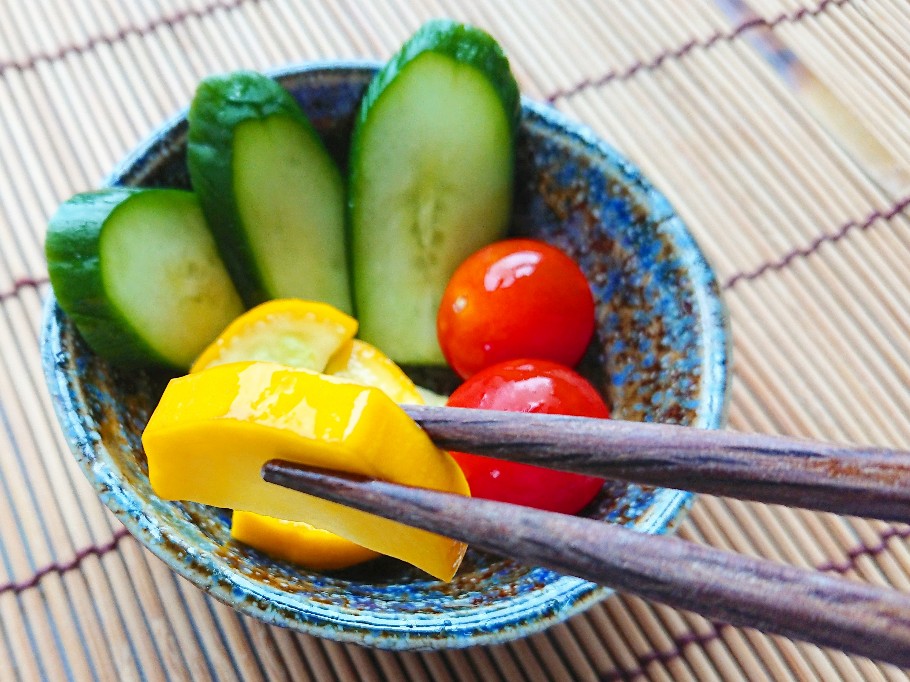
(303, 334)
(290, 331)
(297, 542)
(212, 432)
(361, 363)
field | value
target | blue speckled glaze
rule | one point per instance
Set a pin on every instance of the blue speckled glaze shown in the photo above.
(660, 354)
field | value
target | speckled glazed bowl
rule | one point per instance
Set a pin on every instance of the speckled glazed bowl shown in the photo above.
(660, 354)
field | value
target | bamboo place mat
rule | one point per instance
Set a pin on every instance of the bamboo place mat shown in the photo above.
(779, 130)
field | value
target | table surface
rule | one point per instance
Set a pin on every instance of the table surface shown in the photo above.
(779, 129)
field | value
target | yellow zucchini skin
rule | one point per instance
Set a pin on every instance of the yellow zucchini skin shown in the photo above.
(212, 432)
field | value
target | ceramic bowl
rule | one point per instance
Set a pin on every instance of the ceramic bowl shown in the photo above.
(660, 354)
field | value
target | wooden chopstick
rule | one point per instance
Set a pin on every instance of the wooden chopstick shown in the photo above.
(740, 590)
(844, 479)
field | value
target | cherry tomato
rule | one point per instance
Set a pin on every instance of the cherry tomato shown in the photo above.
(529, 386)
(518, 298)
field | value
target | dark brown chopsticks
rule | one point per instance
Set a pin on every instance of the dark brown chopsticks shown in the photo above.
(740, 590)
(844, 479)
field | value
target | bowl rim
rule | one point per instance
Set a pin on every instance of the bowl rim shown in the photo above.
(491, 625)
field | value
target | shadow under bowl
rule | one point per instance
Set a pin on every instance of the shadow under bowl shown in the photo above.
(660, 354)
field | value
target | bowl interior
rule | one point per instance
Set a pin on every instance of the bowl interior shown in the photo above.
(659, 355)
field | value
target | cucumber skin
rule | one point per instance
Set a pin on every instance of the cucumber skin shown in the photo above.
(463, 44)
(460, 42)
(222, 103)
(74, 266)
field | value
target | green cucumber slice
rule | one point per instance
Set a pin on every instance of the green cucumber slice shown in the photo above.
(273, 196)
(138, 273)
(432, 162)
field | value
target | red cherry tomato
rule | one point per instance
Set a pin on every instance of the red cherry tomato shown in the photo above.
(529, 386)
(518, 298)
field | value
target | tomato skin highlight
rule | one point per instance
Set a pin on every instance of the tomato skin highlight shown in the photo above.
(529, 386)
(516, 298)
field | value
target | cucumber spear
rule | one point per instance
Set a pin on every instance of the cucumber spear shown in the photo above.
(432, 163)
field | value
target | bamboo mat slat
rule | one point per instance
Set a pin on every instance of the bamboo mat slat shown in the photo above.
(779, 129)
